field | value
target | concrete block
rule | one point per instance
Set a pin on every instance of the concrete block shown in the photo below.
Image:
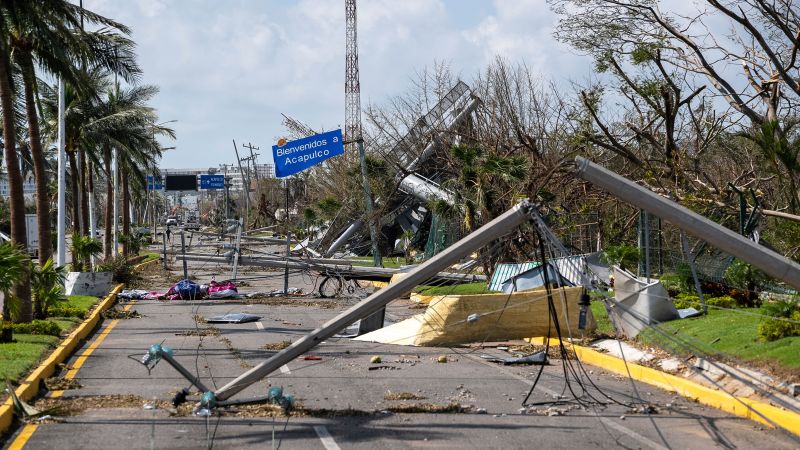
(96, 284)
(671, 365)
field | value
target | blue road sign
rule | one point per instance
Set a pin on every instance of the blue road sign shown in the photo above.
(212, 181)
(154, 187)
(299, 155)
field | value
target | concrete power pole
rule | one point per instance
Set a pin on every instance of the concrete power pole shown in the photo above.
(61, 252)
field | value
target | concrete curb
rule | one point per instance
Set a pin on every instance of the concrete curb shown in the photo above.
(739, 406)
(29, 388)
(141, 266)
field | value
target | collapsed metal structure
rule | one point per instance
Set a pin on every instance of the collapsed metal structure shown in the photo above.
(417, 183)
(765, 259)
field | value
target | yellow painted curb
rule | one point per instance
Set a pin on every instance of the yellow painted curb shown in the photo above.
(30, 386)
(145, 264)
(739, 406)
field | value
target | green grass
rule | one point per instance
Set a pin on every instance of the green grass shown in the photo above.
(149, 256)
(84, 302)
(457, 289)
(17, 358)
(728, 331)
(604, 325)
(65, 323)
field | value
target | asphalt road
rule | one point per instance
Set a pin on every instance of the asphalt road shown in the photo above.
(349, 404)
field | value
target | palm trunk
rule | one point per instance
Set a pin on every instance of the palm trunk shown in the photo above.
(109, 213)
(22, 290)
(73, 183)
(83, 193)
(126, 208)
(42, 200)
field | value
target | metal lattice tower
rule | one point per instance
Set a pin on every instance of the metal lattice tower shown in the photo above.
(352, 87)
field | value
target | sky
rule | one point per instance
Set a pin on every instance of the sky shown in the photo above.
(228, 69)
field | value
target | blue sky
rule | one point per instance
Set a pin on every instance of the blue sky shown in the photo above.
(228, 69)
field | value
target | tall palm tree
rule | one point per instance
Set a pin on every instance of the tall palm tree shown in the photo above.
(22, 289)
(123, 120)
(46, 32)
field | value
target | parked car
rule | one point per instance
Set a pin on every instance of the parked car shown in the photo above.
(172, 221)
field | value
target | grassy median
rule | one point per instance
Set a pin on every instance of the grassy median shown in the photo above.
(18, 358)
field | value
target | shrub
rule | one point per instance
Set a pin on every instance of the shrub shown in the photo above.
(684, 300)
(120, 267)
(745, 277)
(672, 283)
(771, 329)
(42, 327)
(724, 301)
(65, 310)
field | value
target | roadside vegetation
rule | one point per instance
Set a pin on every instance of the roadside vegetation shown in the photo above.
(33, 341)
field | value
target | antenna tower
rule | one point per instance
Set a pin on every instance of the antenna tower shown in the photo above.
(352, 87)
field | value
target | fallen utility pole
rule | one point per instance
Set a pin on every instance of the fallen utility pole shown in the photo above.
(346, 271)
(772, 263)
(493, 230)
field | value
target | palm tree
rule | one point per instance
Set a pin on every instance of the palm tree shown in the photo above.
(13, 263)
(481, 179)
(46, 32)
(83, 248)
(47, 283)
(22, 288)
(124, 121)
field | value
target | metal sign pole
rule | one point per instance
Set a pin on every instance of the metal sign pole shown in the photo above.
(286, 269)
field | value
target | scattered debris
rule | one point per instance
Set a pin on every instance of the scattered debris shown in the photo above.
(383, 368)
(276, 346)
(234, 318)
(441, 359)
(312, 358)
(375, 360)
(235, 352)
(403, 396)
(118, 314)
(539, 358)
(644, 409)
(205, 331)
(282, 301)
(61, 384)
(429, 408)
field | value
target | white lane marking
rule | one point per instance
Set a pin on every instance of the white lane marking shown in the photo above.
(326, 438)
(285, 369)
(632, 434)
(260, 325)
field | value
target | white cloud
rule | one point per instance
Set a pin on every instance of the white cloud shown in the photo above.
(228, 69)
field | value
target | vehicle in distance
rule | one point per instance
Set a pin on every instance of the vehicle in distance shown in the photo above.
(171, 221)
(192, 224)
